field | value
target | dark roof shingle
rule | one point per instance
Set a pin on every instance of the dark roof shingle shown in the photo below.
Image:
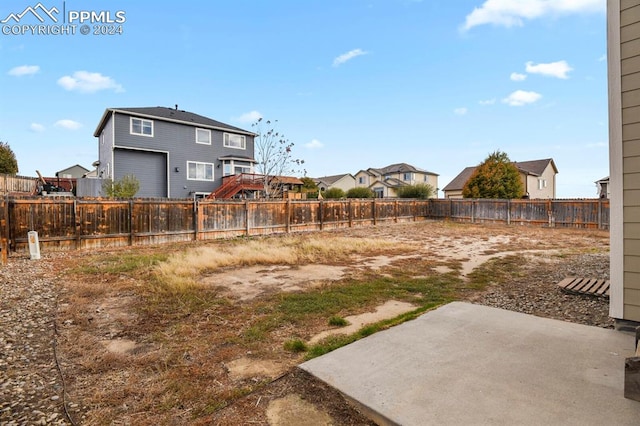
(171, 114)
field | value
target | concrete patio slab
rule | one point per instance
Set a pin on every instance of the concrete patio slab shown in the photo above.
(465, 364)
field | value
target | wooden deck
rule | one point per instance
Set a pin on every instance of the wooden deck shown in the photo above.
(589, 286)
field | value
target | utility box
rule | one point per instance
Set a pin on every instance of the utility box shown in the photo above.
(34, 245)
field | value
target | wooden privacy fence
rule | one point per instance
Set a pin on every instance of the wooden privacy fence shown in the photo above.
(11, 183)
(587, 213)
(84, 223)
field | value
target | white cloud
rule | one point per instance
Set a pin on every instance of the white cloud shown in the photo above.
(24, 70)
(487, 102)
(89, 82)
(460, 111)
(515, 76)
(602, 58)
(36, 127)
(557, 69)
(249, 117)
(348, 56)
(509, 13)
(314, 144)
(68, 124)
(521, 97)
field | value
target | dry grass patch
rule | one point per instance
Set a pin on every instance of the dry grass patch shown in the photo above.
(182, 270)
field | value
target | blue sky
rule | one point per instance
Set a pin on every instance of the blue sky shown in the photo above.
(354, 84)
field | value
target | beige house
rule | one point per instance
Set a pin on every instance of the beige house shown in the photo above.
(538, 179)
(385, 181)
(344, 182)
(623, 55)
(76, 172)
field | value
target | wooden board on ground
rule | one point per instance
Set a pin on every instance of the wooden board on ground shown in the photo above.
(589, 286)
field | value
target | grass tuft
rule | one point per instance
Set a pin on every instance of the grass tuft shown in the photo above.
(338, 321)
(295, 345)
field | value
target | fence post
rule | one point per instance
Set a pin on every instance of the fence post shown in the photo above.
(473, 203)
(131, 222)
(76, 221)
(508, 212)
(288, 218)
(599, 213)
(374, 211)
(196, 218)
(396, 209)
(349, 213)
(550, 212)
(247, 227)
(4, 230)
(321, 215)
(415, 210)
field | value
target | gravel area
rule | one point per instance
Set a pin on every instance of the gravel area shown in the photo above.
(31, 387)
(537, 293)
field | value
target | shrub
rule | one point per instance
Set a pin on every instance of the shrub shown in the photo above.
(360, 192)
(421, 191)
(126, 187)
(333, 193)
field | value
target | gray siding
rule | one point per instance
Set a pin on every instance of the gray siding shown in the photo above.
(105, 152)
(149, 167)
(178, 142)
(630, 95)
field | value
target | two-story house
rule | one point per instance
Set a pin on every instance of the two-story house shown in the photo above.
(385, 181)
(538, 179)
(172, 153)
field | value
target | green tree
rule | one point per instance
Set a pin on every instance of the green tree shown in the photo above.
(495, 177)
(333, 193)
(126, 187)
(308, 184)
(421, 191)
(8, 161)
(273, 151)
(360, 192)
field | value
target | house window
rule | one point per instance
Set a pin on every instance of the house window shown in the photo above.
(199, 171)
(361, 180)
(141, 127)
(234, 141)
(407, 177)
(542, 183)
(203, 136)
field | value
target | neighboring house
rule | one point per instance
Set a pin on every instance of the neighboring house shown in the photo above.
(603, 187)
(343, 181)
(386, 180)
(76, 172)
(623, 51)
(173, 153)
(538, 179)
(454, 188)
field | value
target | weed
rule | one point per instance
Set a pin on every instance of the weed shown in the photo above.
(295, 345)
(338, 321)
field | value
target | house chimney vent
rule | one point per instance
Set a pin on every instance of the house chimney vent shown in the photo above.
(176, 107)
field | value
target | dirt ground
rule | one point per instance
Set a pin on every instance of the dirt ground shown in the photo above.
(270, 389)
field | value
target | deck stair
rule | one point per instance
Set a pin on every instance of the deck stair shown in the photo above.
(231, 185)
